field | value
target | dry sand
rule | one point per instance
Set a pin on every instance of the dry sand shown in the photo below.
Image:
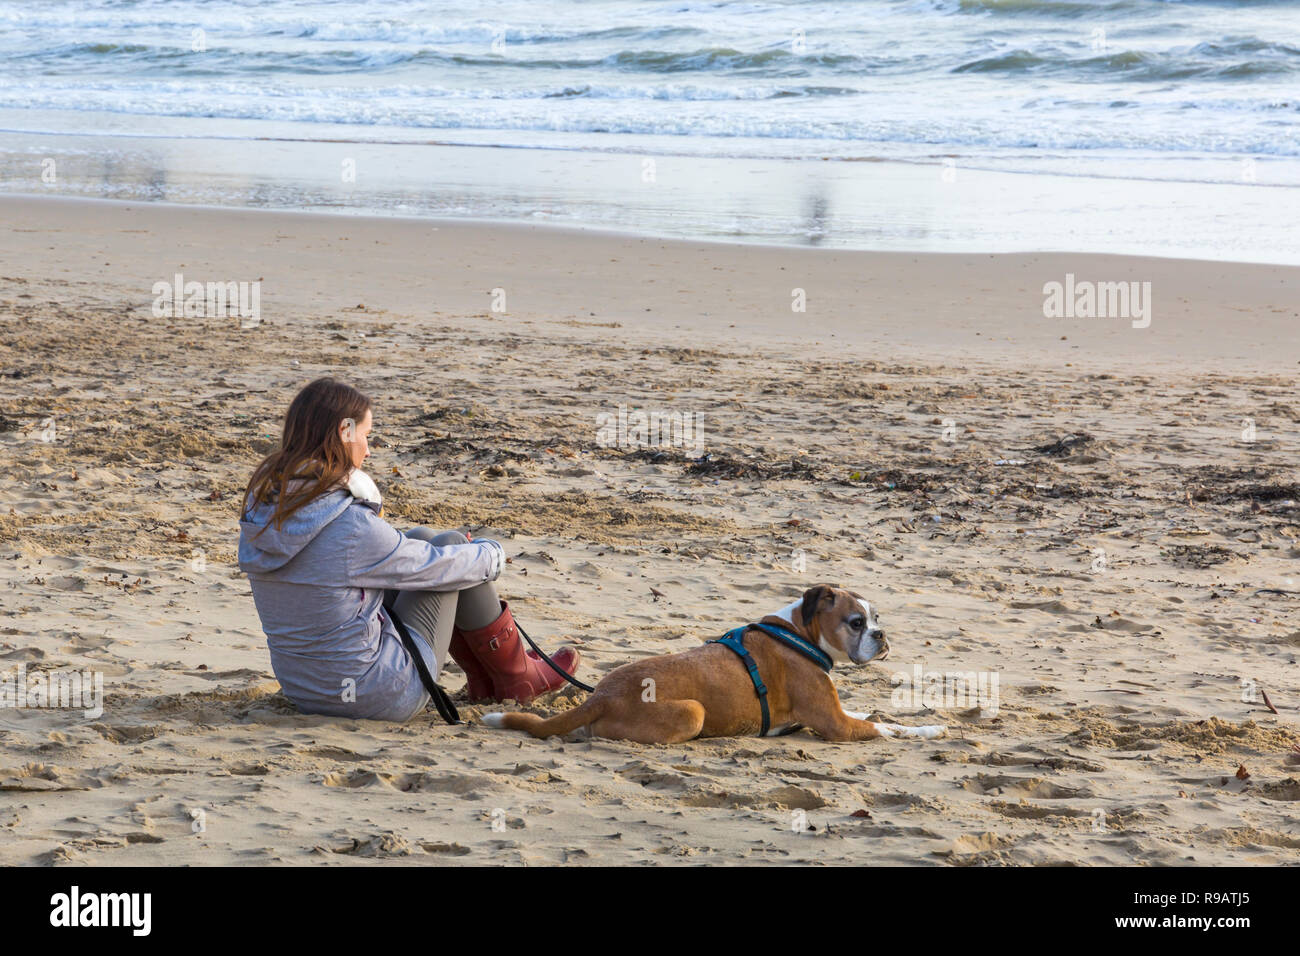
(1110, 582)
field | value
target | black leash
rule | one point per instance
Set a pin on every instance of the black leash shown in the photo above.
(440, 699)
(554, 666)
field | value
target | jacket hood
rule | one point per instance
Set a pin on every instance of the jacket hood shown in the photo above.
(276, 547)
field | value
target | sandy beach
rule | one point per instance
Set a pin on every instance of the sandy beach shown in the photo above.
(1104, 517)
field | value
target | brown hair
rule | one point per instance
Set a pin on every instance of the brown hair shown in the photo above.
(310, 448)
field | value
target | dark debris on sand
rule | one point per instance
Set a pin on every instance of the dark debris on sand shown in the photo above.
(727, 467)
(1065, 445)
(442, 449)
(1229, 485)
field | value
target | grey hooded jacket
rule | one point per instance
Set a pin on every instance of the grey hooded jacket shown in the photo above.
(318, 583)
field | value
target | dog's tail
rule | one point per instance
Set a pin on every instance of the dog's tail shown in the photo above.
(561, 723)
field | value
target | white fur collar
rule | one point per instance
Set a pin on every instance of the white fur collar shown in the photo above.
(362, 487)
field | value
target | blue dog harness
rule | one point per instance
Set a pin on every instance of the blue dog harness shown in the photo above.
(735, 640)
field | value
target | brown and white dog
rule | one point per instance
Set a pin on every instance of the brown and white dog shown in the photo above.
(707, 691)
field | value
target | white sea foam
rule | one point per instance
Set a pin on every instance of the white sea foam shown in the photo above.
(1192, 78)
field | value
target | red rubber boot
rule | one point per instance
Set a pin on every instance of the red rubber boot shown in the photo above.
(515, 672)
(478, 685)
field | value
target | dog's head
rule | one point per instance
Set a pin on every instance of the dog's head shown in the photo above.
(841, 623)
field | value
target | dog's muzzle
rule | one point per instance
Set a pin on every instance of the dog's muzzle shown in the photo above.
(871, 646)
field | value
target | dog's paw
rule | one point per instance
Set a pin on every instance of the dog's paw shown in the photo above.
(497, 720)
(926, 733)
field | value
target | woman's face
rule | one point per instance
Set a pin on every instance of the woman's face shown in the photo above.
(354, 435)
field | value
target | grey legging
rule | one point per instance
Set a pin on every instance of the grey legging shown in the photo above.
(433, 613)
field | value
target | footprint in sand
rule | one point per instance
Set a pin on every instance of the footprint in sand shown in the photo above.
(124, 734)
(1288, 789)
(378, 845)
(461, 785)
(1037, 787)
(781, 798)
(35, 777)
(81, 643)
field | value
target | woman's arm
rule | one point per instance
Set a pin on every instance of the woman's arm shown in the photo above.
(380, 556)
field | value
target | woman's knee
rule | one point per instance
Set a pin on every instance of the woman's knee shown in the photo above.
(438, 538)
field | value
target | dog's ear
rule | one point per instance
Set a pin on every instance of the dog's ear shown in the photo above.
(812, 599)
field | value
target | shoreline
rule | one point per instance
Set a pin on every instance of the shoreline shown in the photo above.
(930, 155)
(898, 204)
(610, 232)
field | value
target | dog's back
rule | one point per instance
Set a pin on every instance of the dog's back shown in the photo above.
(642, 700)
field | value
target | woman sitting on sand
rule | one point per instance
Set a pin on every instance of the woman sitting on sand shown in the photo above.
(328, 574)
